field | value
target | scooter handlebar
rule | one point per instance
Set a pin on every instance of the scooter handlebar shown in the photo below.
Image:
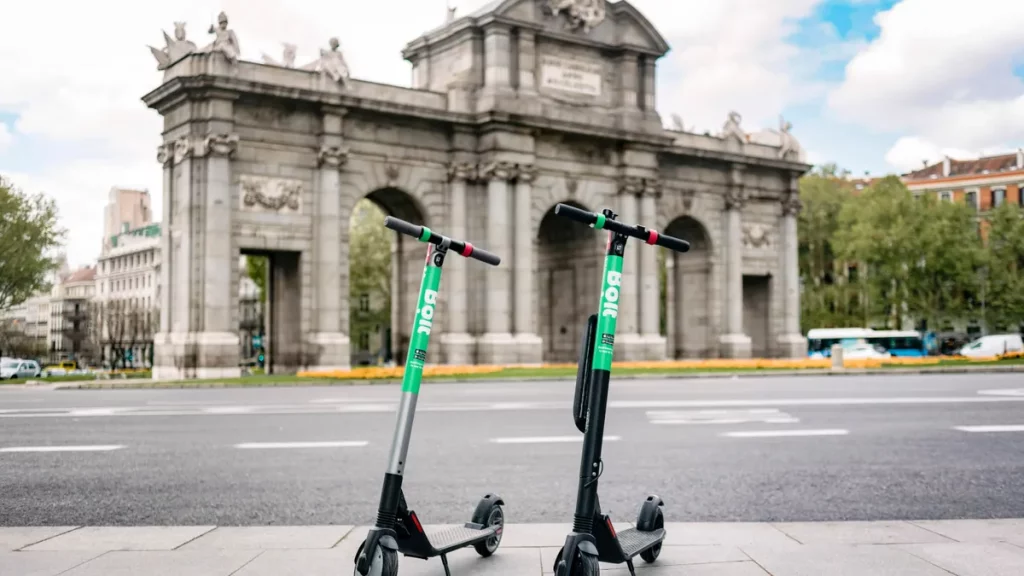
(638, 232)
(424, 234)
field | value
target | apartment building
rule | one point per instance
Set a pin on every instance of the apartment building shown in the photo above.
(126, 210)
(71, 336)
(127, 295)
(983, 184)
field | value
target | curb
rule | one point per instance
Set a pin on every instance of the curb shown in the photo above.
(150, 385)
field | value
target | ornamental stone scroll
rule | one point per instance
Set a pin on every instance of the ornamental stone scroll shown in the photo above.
(498, 171)
(332, 156)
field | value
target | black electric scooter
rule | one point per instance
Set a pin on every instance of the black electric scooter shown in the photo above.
(398, 529)
(593, 538)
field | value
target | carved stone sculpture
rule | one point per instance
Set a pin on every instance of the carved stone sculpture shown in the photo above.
(224, 40)
(271, 194)
(787, 142)
(451, 15)
(217, 145)
(732, 127)
(461, 171)
(631, 185)
(756, 236)
(526, 173)
(334, 156)
(498, 171)
(677, 123)
(287, 59)
(585, 14)
(791, 204)
(332, 63)
(176, 48)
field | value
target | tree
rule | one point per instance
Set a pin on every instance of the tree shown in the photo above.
(830, 297)
(1004, 259)
(28, 233)
(256, 268)
(369, 270)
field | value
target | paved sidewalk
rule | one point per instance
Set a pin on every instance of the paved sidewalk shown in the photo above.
(927, 548)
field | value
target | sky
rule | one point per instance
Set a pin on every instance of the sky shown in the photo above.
(876, 86)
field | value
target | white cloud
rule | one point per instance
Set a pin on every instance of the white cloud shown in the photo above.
(5, 136)
(79, 80)
(942, 74)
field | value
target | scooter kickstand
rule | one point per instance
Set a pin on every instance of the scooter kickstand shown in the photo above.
(444, 562)
(629, 564)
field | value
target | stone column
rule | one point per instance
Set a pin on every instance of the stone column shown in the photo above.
(497, 66)
(650, 103)
(650, 301)
(792, 343)
(629, 345)
(163, 357)
(527, 62)
(457, 343)
(529, 345)
(218, 342)
(734, 343)
(497, 346)
(629, 75)
(329, 339)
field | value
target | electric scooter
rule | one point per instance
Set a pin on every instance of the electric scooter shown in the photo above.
(593, 538)
(398, 529)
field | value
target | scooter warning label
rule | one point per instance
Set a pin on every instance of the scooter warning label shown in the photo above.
(418, 358)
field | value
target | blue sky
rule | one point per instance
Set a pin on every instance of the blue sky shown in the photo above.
(873, 85)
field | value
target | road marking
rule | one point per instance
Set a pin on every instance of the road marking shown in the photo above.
(784, 433)
(95, 411)
(228, 409)
(97, 448)
(1007, 428)
(678, 417)
(1003, 392)
(547, 439)
(276, 445)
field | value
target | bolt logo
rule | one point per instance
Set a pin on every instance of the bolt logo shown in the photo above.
(610, 306)
(426, 312)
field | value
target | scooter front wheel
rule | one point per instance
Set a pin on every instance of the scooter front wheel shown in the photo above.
(383, 562)
(582, 564)
(495, 517)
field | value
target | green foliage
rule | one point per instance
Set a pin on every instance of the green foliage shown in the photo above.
(1004, 274)
(369, 270)
(256, 268)
(28, 235)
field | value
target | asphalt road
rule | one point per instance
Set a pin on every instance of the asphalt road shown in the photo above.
(747, 449)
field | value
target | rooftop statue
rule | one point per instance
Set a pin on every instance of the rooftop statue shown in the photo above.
(177, 47)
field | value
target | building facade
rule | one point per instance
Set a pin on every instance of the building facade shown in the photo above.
(514, 108)
(72, 335)
(127, 296)
(126, 210)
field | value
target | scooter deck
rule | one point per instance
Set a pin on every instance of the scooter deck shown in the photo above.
(445, 540)
(633, 541)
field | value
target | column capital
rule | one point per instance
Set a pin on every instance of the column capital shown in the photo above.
(165, 153)
(497, 171)
(183, 149)
(631, 185)
(216, 144)
(651, 188)
(735, 198)
(332, 156)
(791, 204)
(526, 173)
(461, 172)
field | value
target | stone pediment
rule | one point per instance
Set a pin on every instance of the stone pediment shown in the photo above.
(590, 22)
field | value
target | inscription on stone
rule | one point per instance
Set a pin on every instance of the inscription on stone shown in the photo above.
(573, 76)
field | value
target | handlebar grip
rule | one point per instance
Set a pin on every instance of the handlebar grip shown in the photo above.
(673, 243)
(485, 256)
(399, 225)
(574, 213)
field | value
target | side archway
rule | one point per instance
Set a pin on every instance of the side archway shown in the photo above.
(569, 262)
(385, 269)
(688, 294)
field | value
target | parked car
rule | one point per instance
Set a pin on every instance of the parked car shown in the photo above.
(61, 369)
(11, 368)
(993, 345)
(865, 350)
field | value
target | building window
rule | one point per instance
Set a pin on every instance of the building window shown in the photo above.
(971, 198)
(364, 303)
(364, 341)
(998, 197)
(946, 196)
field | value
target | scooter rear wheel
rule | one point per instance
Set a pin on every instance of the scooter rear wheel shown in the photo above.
(649, 520)
(495, 517)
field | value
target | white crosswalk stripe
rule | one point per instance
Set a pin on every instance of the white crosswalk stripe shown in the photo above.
(722, 416)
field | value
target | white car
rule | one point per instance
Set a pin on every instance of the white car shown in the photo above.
(11, 368)
(993, 345)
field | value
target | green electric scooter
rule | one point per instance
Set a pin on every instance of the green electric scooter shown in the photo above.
(593, 538)
(398, 529)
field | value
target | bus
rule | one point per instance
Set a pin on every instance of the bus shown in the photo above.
(905, 343)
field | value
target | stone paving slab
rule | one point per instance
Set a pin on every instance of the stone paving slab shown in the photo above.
(960, 548)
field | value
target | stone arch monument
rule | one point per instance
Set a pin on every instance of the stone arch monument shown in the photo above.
(513, 108)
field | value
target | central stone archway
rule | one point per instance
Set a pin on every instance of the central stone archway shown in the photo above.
(569, 263)
(689, 294)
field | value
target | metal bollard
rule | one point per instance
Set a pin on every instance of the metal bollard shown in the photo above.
(837, 357)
